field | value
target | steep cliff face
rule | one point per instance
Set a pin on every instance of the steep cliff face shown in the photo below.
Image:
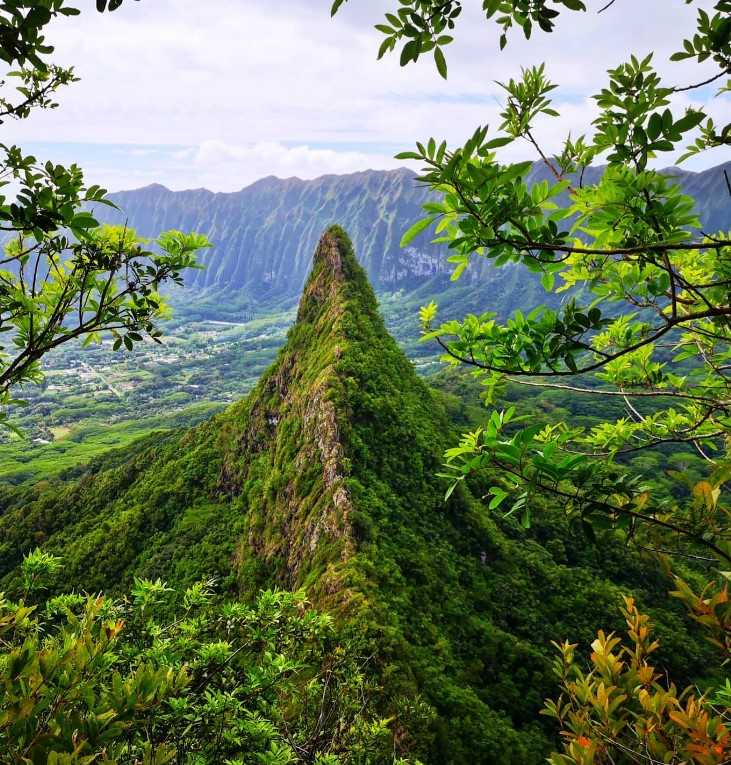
(285, 459)
(264, 235)
(339, 436)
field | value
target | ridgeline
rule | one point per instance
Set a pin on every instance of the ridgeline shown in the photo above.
(324, 478)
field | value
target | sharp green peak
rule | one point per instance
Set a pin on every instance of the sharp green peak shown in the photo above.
(333, 249)
(324, 477)
(315, 433)
(335, 277)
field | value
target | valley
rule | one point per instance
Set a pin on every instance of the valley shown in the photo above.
(325, 477)
(232, 317)
(96, 398)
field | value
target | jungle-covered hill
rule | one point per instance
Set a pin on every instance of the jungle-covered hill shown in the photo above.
(324, 477)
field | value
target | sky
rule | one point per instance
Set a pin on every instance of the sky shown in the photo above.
(218, 94)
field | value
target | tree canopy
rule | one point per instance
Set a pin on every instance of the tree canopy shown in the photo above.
(62, 276)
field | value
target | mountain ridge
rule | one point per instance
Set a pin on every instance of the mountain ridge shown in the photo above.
(271, 178)
(324, 477)
(264, 236)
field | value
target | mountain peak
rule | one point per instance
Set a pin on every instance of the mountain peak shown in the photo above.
(334, 244)
(311, 449)
(332, 263)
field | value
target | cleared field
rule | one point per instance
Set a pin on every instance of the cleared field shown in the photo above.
(29, 461)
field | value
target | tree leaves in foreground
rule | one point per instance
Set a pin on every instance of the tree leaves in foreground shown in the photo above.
(63, 277)
(160, 677)
(645, 317)
(644, 313)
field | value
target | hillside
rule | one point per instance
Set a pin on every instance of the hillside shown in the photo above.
(264, 235)
(324, 477)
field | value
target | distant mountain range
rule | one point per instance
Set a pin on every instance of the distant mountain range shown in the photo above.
(264, 235)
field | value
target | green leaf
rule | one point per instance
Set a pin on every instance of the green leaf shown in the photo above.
(449, 491)
(410, 52)
(416, 229)
(385, 46)
(527, 435)
(525, 518)
(496, 143)
(440, 61)
(721, 474)
(498, 495)
(459, 270)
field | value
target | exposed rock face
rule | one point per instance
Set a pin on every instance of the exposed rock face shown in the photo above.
(328, 259)
(289, 521)
(292, 428)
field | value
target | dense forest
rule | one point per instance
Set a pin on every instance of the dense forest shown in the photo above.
(324, 479)
(353, 563)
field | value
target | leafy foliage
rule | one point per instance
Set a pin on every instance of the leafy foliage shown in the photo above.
(630, 239)
(624, 705)
(420, 24)
(62, 276)
(646, 313)
(89, 679)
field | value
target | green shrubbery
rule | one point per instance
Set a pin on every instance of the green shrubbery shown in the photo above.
(161, 676)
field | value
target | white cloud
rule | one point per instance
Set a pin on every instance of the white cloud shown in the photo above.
(280, 88)
(235, 166)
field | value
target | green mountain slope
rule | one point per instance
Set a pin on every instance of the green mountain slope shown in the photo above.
(324, 477)
(263, 236)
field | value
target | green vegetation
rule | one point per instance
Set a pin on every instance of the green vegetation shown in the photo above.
(324, 477)
(632, 238)
(87, 679)
(33, 461)
(645, 318)
(95, 397)
(63, 276)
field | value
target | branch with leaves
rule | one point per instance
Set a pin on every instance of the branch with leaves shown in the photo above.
(62, 277)
(644, 291)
